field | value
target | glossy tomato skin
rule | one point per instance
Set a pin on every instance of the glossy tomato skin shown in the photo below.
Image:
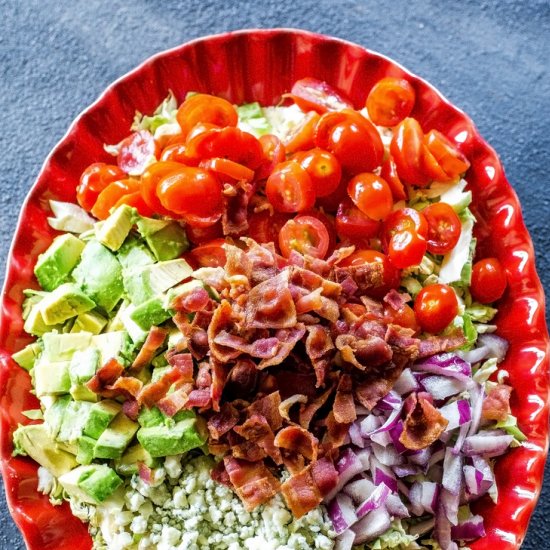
(406, 148)
(406, 248)
(405, 317)
(489, 281)
(264, 226)
(450, 159)
(136, 151)
(403, 219)
(328, 222)
(227, 169)
(323, 168)
(110, 196)
(150, 180)
(435, 307)
(289, 188)
(444, 227)
(303, 136)
(135, 200)
(390, 101)
(353, 224)
(311, 94)
(389, 173)
(175, 152)
(371, 194)
(93, 180)
(306, 235)
(274, 153)
(210, 254)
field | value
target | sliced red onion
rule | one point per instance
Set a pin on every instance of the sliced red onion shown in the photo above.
(359, 489)
(450, 503)
(382, 438)
(423, 497)
(476, 483)
(341, 512)
(452, 472)
(436, 457)
(355, 435)
(442, 530)
(345, 541)
(370, 424)
(483, 465)
(406, 383)
(457, 413)
(348, 466)
(388, 424)
(469, 529)
(372, 525)
(421, 457)
(476, 402)
(441, 387)
(390, 401)
(461, 438)
(474, 355)
(488, 446)
(364, 457)
(498, 346)
(387, 455)
(395, 434)
(374, 501)
(404, 470)
(395, 506)
(446, 364)
(382, 474)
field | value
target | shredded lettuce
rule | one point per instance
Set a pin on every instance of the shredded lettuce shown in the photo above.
(395, 537)
(456, 266)
(48, 485)
(70, 217)
(481, 313)
(510, 426)
(485, 370)
(252, 119)
(164, 114)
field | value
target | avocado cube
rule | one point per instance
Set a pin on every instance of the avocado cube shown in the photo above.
(55, 265)
(75, 418)
(167, 239)
(51, 378)
(100, 482)
(127, 464)
(114, 440)
(101, 415)
(62, 347)
(110, 344)
(150, 313)
(171, 440)
(134, 253)
(99, 275)
(85, 453)
(35, 324)
(54, 414)
(26, 357)
(65, 302)
(116, 227)
(151, 417)
(90, 321)
(84, 365)
(137, 334)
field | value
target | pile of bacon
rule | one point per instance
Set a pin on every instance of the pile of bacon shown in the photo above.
(282, 357)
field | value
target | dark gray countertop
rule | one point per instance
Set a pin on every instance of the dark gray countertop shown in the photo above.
(491, 58)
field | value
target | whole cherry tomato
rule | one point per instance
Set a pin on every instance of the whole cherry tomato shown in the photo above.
(289, 188)
(225, 168)
(353, 224)
(311, 94)
(210, 254)
(302, 136)
(135, 200)
(93, 180)
(451, 160)
(305, 234)
(353, 140)
(444, 227)
(110, 196)
(404, 317)
(389, 173)
(274, 153)
(175, 152)
(406, 148)
(390, 101)
(371, 194)
(136, 152)
(435, 307)
(406, 248)
(206, 108)
(404, 219)
(150, 180)
(323, 169)
(488, 280)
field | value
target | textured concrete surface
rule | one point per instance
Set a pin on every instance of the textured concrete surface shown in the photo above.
(489, 57)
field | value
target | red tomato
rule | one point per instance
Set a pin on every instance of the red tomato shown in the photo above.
(328, 223)
(264, 227)
(175, 153)
(150, 180)
(488, 281)
(371, 194)
(389, 173)
(302, 137)
(406, 248)
(435, 307)
(431, 167)
(405, 317)
(323, 169)
(274, 153)
(451, 160)
(404, 219)
(203, 222)
(206, 108)
(93, 180)
(353, 224)
(210, 254)
(225, 168)
(289, 188)
(352, 139)
(136, 151)
(444, 227)
(201, 235)
(406, 149)
(390, 101)
(311, 94)
(191, 192)
(331, 202)
(135, 200)
(109, 197)
(305, 234)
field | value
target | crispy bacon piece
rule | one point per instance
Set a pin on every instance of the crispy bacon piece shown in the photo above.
(248, 450)
(423, 424)
(344, 405)
(242, 379)
(439, 344)
(204, 376)
(238, 269)
(364, 353)
(235, 212)
(285, 406)
(306, 281)
(145, 473)
(372, 386)
(287, 339)
(223, 320)
(130, 408)
(253, 482)
(184, 363)
(307, 412)
(319, 348)
(105, 376)
(198, 398)
(298, 440)
(126, 386)
(197, 299)
(336, 433)
(257, 430)
(396, 300)
(263, 259)
(211, 276)
(176, 401)
(152, 343)
(219, 474)
(222, 422)
(496, 406)
(219, 376)
(367, 277)
(262, 348)
(195, 332)
(268, 407)
(155, 391)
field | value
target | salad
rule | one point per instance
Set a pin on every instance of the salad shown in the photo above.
(267, 327)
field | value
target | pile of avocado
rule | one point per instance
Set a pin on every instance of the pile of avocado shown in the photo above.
(101, 293)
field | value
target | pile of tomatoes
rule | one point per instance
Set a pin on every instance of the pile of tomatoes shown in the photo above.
(331, 183)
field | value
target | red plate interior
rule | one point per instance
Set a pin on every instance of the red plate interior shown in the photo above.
(260, 65)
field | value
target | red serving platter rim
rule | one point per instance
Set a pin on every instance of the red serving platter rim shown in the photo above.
(519, 474)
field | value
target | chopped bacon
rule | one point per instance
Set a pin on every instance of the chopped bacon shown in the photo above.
(496, 406)
(204, 376)
(268, 407)
(365, 353)
(319, 346)
(194, 333)
(285, 406)
(238, 270)
(336, 433)
(184, 363)
(423, 424)
(130, 408)
(105, 376)
(367, 277)
(211, 276)
(152, 343)
(257, 430)
(222, 422)
(126, 386)
(298, 440)
(307, 412)
(197, 299)
(262, 348)
(290, 382)
(263, 260)
(219, 376)
(287, 339)
(309, 302)
(222, 320)
(219, 474)
(173, 403)
(373, 386)
(155, 391)
(199, 399)
(242, 379)
(248, 450)
(307, 281)
(235, 212)
(145, 473)
(344, 405)
(439, 344)
(396, 300)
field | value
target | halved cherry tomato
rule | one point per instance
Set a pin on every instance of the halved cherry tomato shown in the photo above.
(93, 180)
(390, 101)
(444, 227)
(404, 317)
(323, 169)
(274, 153)
(206, 108)
(404, 219)
(201, 235)
(305, 234)
(389, 173)
(135, 200)
(331, 202)
(108, 198)
(352, 138)
(431, 167)
(435, 307)
(175, 153)
(451, 160)
(488, 280)
(289, 188)
(328, 223)
(203, 222)
(371, 194)
(406, 248)
(406, 149)
(150, 180)
(302, 136)
(264, 227)
(311, 94)
(225, 168)
(191, 192)
(353, 224)
(210, 254)
(136, 152)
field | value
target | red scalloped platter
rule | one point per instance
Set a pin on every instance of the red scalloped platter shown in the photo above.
(260, 65)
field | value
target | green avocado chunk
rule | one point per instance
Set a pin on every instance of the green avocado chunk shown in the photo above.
(65, 302)
(91, 484)
(101, 415)
(51, 378)
(90, 321)
(167, 239)
(83, 367)
(127, 464)
(85, 453)
(150, 313)
(26, 357)
(62, 347)
(134, 253)
(54, 414)
(151, 417)
(114, 440)
(74, 420)
(116, 227)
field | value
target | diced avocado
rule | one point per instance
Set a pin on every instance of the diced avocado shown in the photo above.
(127, 464)
(54, 414)
(184, 415)
(116, 227)
(26, 357)
(84, 365)
(134, 253)
(61, 347)
(110, 344)
(74, 420)
(36, 441)
(85, 453)
(171, 440)
(101, 415)
(89, 322)
(136, 333)
(151, 417)
(35, 324)
(55, 265)
(180, 291)
(150, 313)
(91, 484)
(99, 274)
(65, 302)
(167, 239)
(114, 440)
(51, 378)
